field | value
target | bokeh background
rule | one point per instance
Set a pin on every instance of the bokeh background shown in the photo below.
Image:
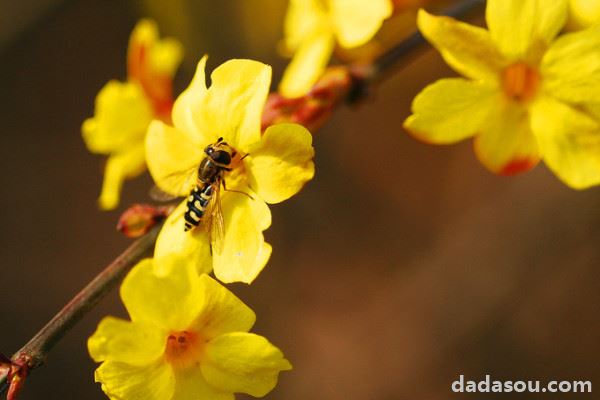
(399, 267)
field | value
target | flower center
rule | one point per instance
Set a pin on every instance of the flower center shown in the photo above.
(184, 349)
(520, 81)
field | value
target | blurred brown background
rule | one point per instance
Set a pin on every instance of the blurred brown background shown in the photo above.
(391, 274)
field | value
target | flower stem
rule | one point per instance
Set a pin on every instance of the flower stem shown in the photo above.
(35, 351)
(33, 354)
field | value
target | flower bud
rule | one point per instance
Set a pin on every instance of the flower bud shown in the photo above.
(18, 371)
(138, 219)
(312, 109)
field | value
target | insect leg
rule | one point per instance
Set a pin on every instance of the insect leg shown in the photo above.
(235, 191)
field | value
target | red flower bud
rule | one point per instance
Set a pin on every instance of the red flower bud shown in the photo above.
(312, 109)
(138, 219)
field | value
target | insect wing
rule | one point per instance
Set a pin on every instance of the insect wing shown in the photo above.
(213, 221)
(183, 180)
(157, 194)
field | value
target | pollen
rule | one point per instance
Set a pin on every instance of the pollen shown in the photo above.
(184, 349)
(520, 81)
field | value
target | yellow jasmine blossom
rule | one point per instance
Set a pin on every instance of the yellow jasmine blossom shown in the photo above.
(312, 28)
(267, 168)
(123, 110)
(187, 339)
(529, 94)
(583, 14)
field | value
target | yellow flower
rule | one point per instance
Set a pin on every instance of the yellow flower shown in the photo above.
(274, 167)
(187, 339)
(529, 94)
(312, 28)
(583, 14)
(123, 110)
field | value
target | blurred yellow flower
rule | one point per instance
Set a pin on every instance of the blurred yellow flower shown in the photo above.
(123, 110)
(529, 95)
(583, 14)
(312, 28)
(187, 339)
(267, 168)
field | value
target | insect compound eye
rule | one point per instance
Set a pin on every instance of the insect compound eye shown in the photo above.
(221, 156)
(208, 150)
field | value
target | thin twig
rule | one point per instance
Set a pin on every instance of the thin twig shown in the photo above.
(35, 351)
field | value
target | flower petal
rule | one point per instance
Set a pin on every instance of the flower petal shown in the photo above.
(243, 254)
(130, 342)
(191, 385)
(122, 115)
(233, 105)
(571, 67)
(184, 117)
(119, 166)
(466, 48)
(308, 64)
(152, 63)
(302, 18)
(122, 381)
(570, 142)
(173, 158)
(593, 109)
(142, 39)
(221, 311)
(165, 57)
(357, 21)
(243, 362)
(281, 163)
(583, 14)
(168, 301)
(524, 28)
(451, 110)
(506, 144)
(174, 245)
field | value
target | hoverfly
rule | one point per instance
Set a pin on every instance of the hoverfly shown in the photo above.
(203, 206)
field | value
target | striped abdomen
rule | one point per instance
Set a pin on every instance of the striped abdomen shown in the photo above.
(196, 205)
